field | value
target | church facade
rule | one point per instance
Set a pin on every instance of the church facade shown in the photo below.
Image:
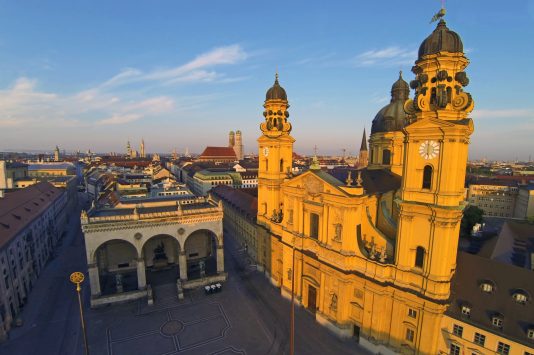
(372, 252)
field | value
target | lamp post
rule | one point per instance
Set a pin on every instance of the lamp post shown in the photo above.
(292, 325)
(77, 278)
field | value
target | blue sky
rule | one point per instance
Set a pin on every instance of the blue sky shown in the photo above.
(91, 75)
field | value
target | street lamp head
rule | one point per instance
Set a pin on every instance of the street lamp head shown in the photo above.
(77, 277)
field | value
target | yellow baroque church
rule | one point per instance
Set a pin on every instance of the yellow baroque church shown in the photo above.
(372, 251)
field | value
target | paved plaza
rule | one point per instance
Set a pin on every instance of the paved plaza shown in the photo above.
(249, 316)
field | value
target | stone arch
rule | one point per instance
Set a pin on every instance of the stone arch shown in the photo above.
(171, 246)
(116, 264)
(160, 255)
(203, 253)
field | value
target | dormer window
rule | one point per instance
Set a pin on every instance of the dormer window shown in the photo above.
(487, 286)
(466, 310)
(520, 296)
(497, 320)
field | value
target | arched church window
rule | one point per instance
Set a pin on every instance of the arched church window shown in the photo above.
(386, 157)
(266, 164)
(427, 177)
(419, 257)
(281, 165)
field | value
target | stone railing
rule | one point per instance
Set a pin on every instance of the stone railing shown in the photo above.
(136, 216)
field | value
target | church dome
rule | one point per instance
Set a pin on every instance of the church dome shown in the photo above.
(392, 117)
(441, 40)
(276, 92)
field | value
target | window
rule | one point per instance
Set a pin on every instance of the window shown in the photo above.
(419, 257)
(454, 350)
(503, 348)
(520, 296)
(497, 321)
(479, 339)
(486, 286)
(410, 335)
(458, 330)
(466, 310)
(314, 225)
(530, 333)
(412, 313)
(427, 177)
(386, 157)
(281, 165)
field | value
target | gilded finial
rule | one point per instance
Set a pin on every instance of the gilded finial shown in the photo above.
(349, 179)
(400, 74)
(359, 179)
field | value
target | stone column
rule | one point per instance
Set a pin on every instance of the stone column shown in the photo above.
(182, 263)
(220, 259)
(94, 279)
(141, 274)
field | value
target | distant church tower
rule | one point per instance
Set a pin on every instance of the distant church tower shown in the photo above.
(275, 152)
(364, 155)
(128, 149)
(238, 147)
(56, 154)
(231, 139)
(142, 148)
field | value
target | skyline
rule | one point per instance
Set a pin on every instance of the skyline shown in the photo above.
(122, 72)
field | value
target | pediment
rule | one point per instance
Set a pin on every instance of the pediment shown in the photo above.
(315, 183)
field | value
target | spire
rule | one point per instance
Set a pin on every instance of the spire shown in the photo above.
(363, 147)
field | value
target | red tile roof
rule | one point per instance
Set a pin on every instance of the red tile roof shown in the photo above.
(218, 152)
(21, 207)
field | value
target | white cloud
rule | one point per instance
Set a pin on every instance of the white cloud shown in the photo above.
(154, 105)
(193, 71)
(389, 56)
(117, 119)
(503, 113)
(23, 104)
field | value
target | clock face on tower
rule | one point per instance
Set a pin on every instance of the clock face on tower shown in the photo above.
(429, 149)
(266, 151)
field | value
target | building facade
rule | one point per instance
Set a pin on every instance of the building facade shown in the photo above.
(31, 223)
(130, 242)
(372, 252)
(495, 198)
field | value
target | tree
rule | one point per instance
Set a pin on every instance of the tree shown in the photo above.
(472, 215)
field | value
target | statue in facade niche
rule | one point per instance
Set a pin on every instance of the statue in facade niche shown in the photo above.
(333, 302)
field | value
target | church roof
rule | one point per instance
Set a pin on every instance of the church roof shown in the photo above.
(363, 147)
(374, 181)
(276, 92)
(392, 117)
(217, 152)
(441, 40)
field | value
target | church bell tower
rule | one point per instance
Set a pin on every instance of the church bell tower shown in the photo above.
(275, 152)
(431, 200)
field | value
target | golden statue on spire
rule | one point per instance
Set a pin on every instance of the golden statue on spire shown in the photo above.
(441, 13)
